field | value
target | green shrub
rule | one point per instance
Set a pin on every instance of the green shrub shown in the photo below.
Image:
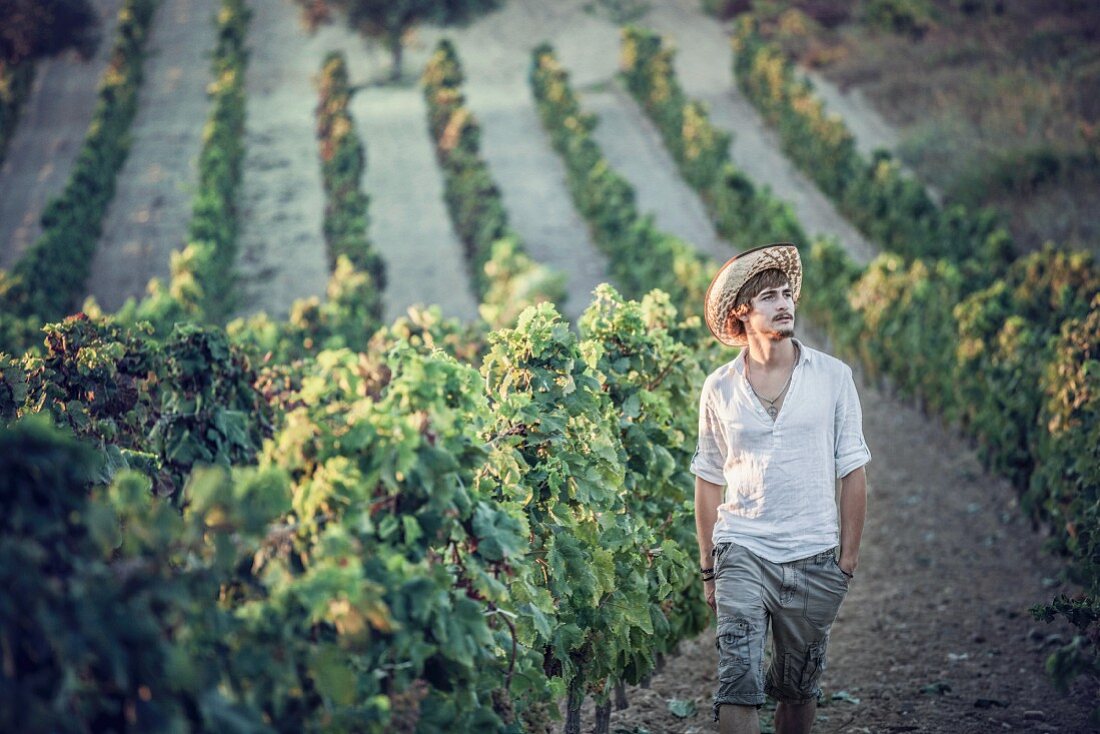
(109, 586)
(1005, 340)
(50, 276)
(907, 327)
(213, 230)
(904, 17)
(15, 87)
(1066, 485)
(161, 406)
(343, 162)
(889, 207)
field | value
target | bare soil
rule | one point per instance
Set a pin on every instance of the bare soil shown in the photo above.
(49, 135)
(409, 223)
(148, 217)
(282, 248)
(496, 57)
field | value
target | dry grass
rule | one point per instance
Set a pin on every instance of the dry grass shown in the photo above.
(982, 96)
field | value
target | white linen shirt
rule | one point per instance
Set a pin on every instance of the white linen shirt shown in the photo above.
(780, 478)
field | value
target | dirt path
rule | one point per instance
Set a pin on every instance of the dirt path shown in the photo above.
(282, 249)
(148, 217)
(48, 137)
(409, 223)
(703, 66)
(495, 54)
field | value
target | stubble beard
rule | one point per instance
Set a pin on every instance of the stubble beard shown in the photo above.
(782, 331)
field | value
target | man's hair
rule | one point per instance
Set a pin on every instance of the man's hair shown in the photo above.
(754, 286)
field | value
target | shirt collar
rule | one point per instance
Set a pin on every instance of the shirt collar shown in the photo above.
(804, 357)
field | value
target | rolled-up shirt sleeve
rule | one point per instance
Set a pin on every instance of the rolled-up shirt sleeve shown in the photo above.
(711, 450)
(850, 449)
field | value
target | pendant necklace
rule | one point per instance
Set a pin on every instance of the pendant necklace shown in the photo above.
(773, 411)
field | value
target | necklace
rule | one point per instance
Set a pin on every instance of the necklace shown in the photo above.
(773, 411)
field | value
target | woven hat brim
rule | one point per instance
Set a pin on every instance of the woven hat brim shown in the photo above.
(732, 276)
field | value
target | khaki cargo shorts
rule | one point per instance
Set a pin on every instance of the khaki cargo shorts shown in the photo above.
(799, 599)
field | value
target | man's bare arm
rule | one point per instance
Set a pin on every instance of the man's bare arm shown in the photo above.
(853, 512)
(708, 496)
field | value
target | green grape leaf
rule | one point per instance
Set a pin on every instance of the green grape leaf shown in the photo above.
(498, 534)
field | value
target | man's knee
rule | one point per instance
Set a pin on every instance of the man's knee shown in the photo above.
(734, 718)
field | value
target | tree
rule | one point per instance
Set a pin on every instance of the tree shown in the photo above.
(34, 28)
(390, 20)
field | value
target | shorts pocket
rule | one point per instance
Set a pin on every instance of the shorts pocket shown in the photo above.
(801, 673)
(719, 550)
(733, 649)
(836, 565)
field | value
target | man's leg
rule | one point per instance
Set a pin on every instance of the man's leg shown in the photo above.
(734, 719)
(814, 589)
(741, 632)
(795, 718)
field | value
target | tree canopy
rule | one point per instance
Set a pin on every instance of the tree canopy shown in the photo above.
(35, 28)
(390, 20)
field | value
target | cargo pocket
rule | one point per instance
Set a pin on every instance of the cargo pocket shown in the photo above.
(803, 679)
(733, 649)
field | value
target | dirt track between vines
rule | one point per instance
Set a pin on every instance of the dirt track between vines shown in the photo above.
(49, 136)
(148, 217)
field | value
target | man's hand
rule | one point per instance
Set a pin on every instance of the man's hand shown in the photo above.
(848, 564)
(708, 590)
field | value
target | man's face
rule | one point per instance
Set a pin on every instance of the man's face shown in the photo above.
(772, 314)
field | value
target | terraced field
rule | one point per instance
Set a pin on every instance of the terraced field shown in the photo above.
(934, 635)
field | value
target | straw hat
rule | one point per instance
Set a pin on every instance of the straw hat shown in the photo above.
(731, 278)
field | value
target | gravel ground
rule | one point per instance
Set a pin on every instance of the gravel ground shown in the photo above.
(148, 216)
(48, 137)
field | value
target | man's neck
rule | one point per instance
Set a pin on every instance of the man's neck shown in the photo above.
(767, 355)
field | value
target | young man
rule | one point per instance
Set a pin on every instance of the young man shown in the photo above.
(777, 426)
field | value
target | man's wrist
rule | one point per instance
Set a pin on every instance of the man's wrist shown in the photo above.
(848, 563)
